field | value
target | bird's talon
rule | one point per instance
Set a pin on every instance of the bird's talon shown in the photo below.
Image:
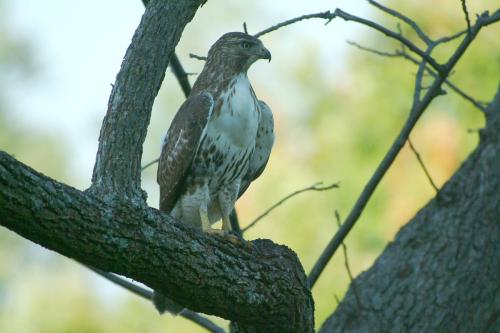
(234, 239)
(214, 231)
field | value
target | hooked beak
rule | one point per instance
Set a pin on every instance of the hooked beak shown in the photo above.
(265, 54)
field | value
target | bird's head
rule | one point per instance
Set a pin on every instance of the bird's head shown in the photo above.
(238, 50)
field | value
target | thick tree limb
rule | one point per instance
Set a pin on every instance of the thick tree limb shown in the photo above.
(259, 285)
(117, 170)
(418, 107)
(440, 274)
(178, 70)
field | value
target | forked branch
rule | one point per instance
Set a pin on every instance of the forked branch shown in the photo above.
(417, 109)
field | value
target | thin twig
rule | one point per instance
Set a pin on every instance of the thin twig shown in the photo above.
(148, 295)
(482, 21)
(313, 187)
(421, 162)
(337, 299)
(368, 49)
(466, 13)
(403, 18)
(397, 36)
(322, 15)
(450, 84)
(180, 74)
(329, 16)
(245, 27)
(192, 55)
(150, 164)
(407, 56)
(446, 39)
(346, 264)
(419, 77)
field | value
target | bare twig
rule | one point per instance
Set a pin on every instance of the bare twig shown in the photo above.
(368, 49)
(150, 164)
(466, 13)
(417, 110)
(245, 27)
(407, 56)
(418, 80)
(313, 187)
(446, 39)
(344, 248)
(405, 19)
(337, 299)
(329, 16)
(423, 36)
(346, 264)
(180, 74)
(421, 162)
(397, 36)
(148, 295)
(323, 15)
(192, 55)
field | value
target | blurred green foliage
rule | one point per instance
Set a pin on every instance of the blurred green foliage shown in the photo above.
(347, 120)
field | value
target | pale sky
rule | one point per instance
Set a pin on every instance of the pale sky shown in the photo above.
(79, 47)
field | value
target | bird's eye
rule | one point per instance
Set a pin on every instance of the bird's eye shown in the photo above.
(245, 45)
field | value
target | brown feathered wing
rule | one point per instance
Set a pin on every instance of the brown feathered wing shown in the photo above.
(263, 145)
(180, 145)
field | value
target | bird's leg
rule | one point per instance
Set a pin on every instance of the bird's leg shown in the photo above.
(226, 224)
(227, 197)
(205, 222)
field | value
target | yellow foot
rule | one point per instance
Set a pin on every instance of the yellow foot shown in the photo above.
(234, 239)
(211, 231)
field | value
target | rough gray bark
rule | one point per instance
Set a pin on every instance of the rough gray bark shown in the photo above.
(260, 285)
(440, 274)
(442, 271)
(117, 170)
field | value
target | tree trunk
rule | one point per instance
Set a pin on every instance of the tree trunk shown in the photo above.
(442, 271)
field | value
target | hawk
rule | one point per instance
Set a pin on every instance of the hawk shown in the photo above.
(220, 139)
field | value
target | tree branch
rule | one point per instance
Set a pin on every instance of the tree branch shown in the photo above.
(177, 69)
(201, 272)
(148, 295)
(403, 54)
(405, 19)
(329, 16)
(147, 165)
(466, 13)
(194, 56)
(117, 167)
(417, 110)
(180, 74)
(422, 165)
(442, 263)
(313, 187)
